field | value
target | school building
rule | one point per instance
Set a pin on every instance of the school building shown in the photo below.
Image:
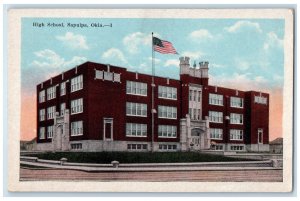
(100, 107)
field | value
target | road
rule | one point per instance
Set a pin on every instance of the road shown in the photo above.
(202, 175)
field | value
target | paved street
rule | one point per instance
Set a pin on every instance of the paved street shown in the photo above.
(203, 175)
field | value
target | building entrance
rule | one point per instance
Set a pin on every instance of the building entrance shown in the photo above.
(197, 135)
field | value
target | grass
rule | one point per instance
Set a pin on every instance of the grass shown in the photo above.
(134, 157)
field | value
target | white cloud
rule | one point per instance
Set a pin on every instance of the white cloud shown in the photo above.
(172, 62)
(193, 55)
(114, 54)
(214, 65)
(157, 61)
(50, 59)
(201, 35)
(135, 40)
(260, 79)
(241, 64)
(241, 82)
(278, 78)
(272, 41)
(243, 24)
(75, 41)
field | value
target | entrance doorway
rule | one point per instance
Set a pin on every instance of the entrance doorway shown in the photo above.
(108, 129)
(196, 134)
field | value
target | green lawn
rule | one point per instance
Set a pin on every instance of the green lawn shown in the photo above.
(134, 157)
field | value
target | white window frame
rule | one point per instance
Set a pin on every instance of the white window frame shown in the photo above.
(216, 99)
(216, 133)
(136, 109)
(167, 92)
(77, 106)
(42, 95)
(42, 133)
(236, 134)
(261, 100)
(236, 102)
(136, 130)
(42, 114)
(76, 128)
(63, 89)
(136, 146)
(216, 117)
(50, 130)
(172, 147)
(51, 112)
(236, 118)
(77, 83)
(51, 93)
(136, 88)
(62, 109)
(237, 148)
(167, 112)
(167, 131)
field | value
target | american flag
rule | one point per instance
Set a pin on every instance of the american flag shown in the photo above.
(163, 46)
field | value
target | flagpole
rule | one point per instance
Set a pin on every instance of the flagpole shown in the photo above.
(152, 101)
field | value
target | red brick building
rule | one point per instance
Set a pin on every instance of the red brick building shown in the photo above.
(97, 107)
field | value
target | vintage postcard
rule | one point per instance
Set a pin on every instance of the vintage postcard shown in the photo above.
(150, 100)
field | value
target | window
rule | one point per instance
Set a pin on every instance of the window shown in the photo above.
(216, 117)
(215, 99)
(199, 96)
(191, 95)
(167, 131)
(63, 88)
(236, 134)
(42, 114)
(167, 112)
(50, 131)
(136, 130)
(99, 74)
(167, 147)
(76, 83)
(108, 76)
(51, 112)
(236, 102)
(236, 118)
(236, 148)
(62, 109)
(216, 133)
(137, 146)
(167, 92)
(51, 93)
(42, 133)
(136, 88)
(76, 146)
(42, 96)
(217, 147)
(117, 77)
(136, 109)
(260, 100)
(77, 106)
(260, 135)
(76, 128)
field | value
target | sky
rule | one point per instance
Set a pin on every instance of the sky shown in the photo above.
(244, 54)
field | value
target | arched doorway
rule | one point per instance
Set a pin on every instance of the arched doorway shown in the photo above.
(196, 134)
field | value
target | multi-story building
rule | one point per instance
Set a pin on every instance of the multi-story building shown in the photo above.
(97, 107)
